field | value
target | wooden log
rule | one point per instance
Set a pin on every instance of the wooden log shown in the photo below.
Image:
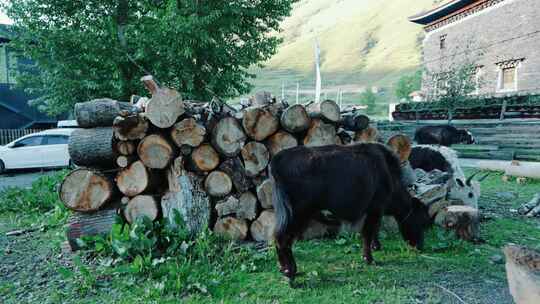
(264, 194)
(85, 190)
(140, 206)
(354, 122)
(227, 206)
(218, 184)
(123, 161)
(165, 106)
(401, 144)
(232, 228)
(295, 119)
(188, 132)
(89, 224)
(464, 220)
(259, 123)
(126, 147)
(204, 158)
(228, 137)
(327, 110)
(320, 134)
(132, 127)
(369, 135)
(234, 168)
(155, 152)
(100, 112)
(523, 273)
(256, 158)
(247, 206)
(92, 148)
(262, 230)
(133, 180)
(281, 141)
(186, 198)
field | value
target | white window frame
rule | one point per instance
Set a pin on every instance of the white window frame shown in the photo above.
(500, 79)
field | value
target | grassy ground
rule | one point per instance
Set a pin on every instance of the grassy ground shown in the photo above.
(34, 268)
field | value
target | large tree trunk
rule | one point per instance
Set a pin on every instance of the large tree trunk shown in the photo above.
(232, 228)
(523, 273)
(165, 106)
(86, 191)
(100, 112)
(234, 168)
(134, 179)
(228, 137)
(218, 184)
(89, 224)
(320, 134)
(188, 132)
(327, 110)
(186, 198)
(155, 152)
(92, 148)
(140, 206)
(131, 127)
(259, 123)
(256, 158)
(295, 119)
(204, 158)
(262, 230)
(281, 141)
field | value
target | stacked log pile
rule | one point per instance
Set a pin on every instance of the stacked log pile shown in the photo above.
(206, 162)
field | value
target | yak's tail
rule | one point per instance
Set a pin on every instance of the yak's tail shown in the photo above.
(282, 205)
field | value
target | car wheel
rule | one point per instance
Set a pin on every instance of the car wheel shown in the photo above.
(2, 167)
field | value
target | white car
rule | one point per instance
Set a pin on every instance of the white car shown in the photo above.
(38, 150)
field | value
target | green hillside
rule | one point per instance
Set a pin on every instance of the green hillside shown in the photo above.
(364, 43)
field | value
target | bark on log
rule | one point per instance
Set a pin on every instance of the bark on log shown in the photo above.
(523, 273)
(86, 191)
(320, 134)
(256, 158)
(100, 112)
(204, 158)
(262, 230)
(165, 106)
(92, 148)
(234, 168)
(188, 132)
(327, 110)
(264, 194)
(464, 220)
(354, 122)
(155, 152)
(232, 228)
(259, 123)
(89, 224)
(218, 184)
(295, 119)
(123, 161)
(132, 127)
(140, 206)
(126, 147)
(186, 198)
(281, 141)
(228, 137)
(247, 206)
(134, 179)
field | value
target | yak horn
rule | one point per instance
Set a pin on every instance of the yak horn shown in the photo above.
(469, 179)
(481, 179)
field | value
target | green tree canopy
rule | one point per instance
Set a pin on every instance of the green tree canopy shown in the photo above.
(369, 99)
(101, 48)
(408, 84)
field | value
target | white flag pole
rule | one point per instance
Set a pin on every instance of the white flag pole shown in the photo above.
(317, 71)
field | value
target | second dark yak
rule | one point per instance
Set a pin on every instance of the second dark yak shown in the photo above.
(353, 182)
(442, 135)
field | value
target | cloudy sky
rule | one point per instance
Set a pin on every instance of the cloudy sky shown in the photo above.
(3, 17)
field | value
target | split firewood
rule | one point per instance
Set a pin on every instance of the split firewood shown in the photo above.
(368, 135)
(327, 110)
(95, 223)
(100, 112)
(218, 184)
(264, 194)
(228, 137)
(92, 148)
(262, 230)
(256, 158)
(204, 158)
(133, 127)
(259, 123)
(165, 106)
(281, 141)
(123, 161)
(188, 132)
(228, 206)
(247, 206)
(354, 122)
(232, 228)
(295, 119)
(320, 134)
(141, 206)
(134, 180)
(126, 147)
(234, 168)
(85, 190)
(523, 273)
(155, 152)
(464, 220)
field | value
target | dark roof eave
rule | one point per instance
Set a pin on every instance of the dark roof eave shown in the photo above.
(435, 14)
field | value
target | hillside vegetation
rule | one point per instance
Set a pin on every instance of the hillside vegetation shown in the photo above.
(363, 43)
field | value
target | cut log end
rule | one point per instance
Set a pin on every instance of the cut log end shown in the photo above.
(204, 158)
(262, 230)
(133, 180)
(264, 194)
(232, 228)
(259, 123)
(141, 206)
(85, 190)
(281, 141)
(218, 184)
(256, 158)
(155, 152)
(228, 137)
(464, 220)
(295, 119)
(188, 132)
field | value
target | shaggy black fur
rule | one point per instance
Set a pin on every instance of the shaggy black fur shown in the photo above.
(442, 135)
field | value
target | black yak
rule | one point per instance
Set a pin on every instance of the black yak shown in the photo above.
(352, 182)
(442, 135)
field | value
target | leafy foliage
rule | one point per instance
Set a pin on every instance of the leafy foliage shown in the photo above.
(369, 99)
(408, 84)
(95, 48)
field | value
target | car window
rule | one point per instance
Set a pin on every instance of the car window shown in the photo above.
(56, 140)
(30, 141)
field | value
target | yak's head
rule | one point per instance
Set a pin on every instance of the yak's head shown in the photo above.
(467, 191)
(413, 223)
(465, 137)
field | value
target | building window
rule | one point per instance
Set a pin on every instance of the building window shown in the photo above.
(442, 43)
(508, 75)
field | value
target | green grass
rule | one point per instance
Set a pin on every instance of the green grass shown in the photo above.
(332, 270)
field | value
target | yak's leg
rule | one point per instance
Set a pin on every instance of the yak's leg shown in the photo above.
(369, 232)
(284, 242)
(376, 244)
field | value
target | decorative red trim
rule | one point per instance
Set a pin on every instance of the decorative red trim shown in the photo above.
(462, 13)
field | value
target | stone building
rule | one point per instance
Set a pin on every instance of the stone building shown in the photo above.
(501, 38)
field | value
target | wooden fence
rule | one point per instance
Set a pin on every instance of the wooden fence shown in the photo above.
(9, 135)
(510, 139)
